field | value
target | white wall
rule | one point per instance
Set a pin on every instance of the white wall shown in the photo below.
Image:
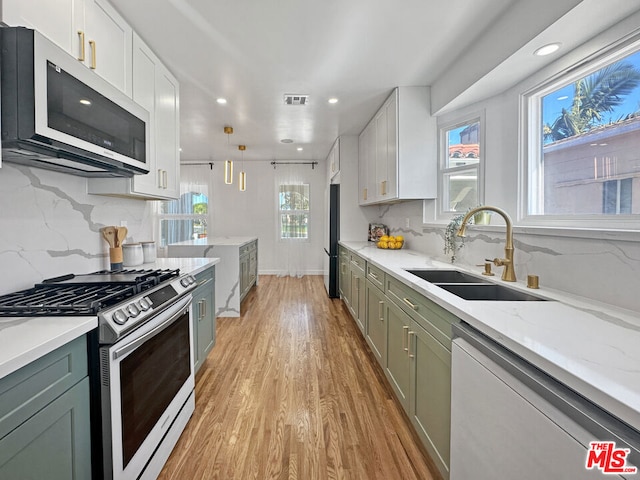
(604, 268)
(51, 226)
(253, 213)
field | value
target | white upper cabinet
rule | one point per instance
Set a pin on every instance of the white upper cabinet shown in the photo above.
(90, 30)
(397, 157)
(156, 90)
(333, 161)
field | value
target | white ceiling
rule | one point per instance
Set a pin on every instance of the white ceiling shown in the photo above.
(252, 52)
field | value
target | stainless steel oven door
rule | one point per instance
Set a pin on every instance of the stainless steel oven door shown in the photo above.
(147, 383)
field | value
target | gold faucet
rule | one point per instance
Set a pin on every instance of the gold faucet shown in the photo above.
(508, 273)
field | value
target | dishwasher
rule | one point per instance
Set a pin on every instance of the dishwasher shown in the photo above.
(510, 420)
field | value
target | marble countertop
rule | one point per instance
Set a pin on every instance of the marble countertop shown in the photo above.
(591, 347)
(25, 339)
(217, 241)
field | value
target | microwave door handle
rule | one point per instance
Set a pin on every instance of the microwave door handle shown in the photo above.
(175, 311)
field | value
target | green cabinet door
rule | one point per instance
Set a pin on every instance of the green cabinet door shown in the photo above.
(344, 275)
(398, 365)
(358, 299)
(430, 403)
(54, 444)
(204, 320)
(376, 333)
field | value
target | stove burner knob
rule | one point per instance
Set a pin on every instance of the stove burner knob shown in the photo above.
(133, 310)
(185, 282)
(191, 279)
(120, 317)
(144, 304)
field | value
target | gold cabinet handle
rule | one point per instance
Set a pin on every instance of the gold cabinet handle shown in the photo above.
(165, 181)
(405, 328)
(159, 178)
(82, 52)
(381, 310)
(364, 194)
(409, 336)
(92, 44)
(204, 304)
(383, 187)
(408, 302)
(373, 275)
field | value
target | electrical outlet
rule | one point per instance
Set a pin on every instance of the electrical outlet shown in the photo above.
(407, 222)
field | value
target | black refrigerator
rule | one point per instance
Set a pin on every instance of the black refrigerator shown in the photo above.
(331, 237)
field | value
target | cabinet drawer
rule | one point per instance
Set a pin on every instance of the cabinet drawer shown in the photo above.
(249, 247)
(344, 253)
(433, 318)
(205, 276)
(357, 261)
(28, 390)
(376, 276)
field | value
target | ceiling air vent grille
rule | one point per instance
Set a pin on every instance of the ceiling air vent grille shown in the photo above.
(295, 99)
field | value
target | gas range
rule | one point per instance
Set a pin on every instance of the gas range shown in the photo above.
(123, 300)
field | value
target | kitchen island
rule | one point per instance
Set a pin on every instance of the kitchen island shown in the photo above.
(236, 273)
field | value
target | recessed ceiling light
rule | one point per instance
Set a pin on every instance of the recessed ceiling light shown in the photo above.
(84, 101)
(286, 140)
(221, 101)
(547, 49)
(300, 149)
(333, 100)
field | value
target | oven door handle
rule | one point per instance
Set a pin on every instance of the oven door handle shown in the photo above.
(175, 311)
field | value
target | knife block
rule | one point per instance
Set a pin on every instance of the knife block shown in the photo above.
(115, 256)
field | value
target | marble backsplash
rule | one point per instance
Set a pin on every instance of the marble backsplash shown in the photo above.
(51, 225)
(603, 270)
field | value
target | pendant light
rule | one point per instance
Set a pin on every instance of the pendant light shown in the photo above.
(228, 164)
(242, 176)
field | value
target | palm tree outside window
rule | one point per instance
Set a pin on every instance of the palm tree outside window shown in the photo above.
(589, 137)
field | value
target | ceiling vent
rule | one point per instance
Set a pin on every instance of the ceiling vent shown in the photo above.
(294, 99)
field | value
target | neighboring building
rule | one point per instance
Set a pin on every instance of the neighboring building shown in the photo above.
(594, 173)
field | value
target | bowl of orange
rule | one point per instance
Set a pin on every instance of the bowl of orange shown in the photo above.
(390, 242)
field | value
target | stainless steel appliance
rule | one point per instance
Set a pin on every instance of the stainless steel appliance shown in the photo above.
(142, 360)
(58, 114)
(332, 235)
(512, 420)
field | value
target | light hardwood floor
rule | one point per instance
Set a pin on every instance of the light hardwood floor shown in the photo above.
(291, 391)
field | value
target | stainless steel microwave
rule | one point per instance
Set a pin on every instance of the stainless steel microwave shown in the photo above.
(59, 115)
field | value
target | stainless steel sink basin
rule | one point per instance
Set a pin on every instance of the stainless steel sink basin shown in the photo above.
(489, 291)
(446, 276)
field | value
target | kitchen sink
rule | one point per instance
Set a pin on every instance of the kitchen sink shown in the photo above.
(446, 276)
(489, 291)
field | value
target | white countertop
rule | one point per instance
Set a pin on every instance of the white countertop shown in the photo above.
(217, 241)
(25, 339)
(592, 347)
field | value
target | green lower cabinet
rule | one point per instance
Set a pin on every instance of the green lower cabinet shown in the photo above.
(430, 394)
(54, 444)
(358, 305)
(204, 320)
(398, 363)
(376, 332)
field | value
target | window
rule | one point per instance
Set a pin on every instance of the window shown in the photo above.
(293, 201)
(186, 218)
(183, 219)
(460, 163)
(584, 142)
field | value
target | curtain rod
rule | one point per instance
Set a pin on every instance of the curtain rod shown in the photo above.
(274, 163)
(313, 164)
